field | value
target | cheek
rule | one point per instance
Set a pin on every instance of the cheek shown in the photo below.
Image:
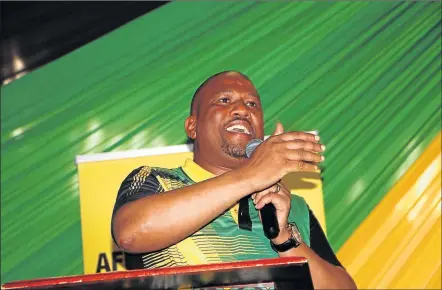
(216, 119)
(260, 134)
(211, 125)
(259, 127)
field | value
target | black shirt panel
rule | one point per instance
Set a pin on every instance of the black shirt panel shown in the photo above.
(319, 242)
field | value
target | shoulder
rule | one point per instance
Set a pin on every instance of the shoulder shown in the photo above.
(172, 174)
(298, 202)
(299, 206)
(145, 171)
(298, 199)
(163, 178)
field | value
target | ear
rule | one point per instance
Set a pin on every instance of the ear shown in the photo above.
(190, 127)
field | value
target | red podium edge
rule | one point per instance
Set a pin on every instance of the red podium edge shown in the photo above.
(71, 280)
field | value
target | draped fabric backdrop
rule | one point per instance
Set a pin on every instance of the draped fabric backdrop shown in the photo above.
(367, 75)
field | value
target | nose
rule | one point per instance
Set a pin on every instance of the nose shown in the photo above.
(240, 109)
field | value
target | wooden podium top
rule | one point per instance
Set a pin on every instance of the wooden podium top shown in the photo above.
(293, 270)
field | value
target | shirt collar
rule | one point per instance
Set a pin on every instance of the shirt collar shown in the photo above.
(196, 172)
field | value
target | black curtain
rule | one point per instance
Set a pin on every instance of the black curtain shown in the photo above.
(34, 33)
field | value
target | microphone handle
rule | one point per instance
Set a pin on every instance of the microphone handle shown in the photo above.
(269, 221)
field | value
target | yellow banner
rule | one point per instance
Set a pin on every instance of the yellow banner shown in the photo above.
(100, 177)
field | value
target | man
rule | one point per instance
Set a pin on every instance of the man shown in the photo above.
(189, 215)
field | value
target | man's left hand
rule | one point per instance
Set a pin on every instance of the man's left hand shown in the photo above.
(281, 200)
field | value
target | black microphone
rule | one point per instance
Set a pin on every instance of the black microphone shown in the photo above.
(268, 212)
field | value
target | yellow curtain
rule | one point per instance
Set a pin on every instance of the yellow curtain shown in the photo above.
(399, 244)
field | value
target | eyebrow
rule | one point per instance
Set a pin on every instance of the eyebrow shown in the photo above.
(231, 92)
(224, 92)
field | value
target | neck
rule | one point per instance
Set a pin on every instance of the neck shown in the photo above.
(216, 168)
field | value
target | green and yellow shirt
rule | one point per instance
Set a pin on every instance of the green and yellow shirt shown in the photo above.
(222, 240)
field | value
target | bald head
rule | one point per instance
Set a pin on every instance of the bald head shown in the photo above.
(197, 96)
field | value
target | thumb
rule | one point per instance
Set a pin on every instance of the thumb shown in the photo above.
(279, 129)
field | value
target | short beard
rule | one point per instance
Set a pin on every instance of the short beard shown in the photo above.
(235, 151)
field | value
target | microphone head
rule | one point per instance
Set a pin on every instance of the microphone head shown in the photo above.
(251, 146)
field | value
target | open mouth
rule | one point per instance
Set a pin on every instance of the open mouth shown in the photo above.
(238, 128)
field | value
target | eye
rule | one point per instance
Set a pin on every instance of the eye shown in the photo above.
(224, 100)
(252, 104)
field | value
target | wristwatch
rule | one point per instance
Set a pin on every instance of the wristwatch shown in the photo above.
(293, 242)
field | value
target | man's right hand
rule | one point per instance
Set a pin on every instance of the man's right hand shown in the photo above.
(280, 154)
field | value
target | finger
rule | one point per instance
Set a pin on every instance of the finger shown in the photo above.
(284, 190)
(305, 145)
(253, 197)
(298, 166)
(280, 201)
(314, 163)
(265, 199)
(289, 136)
(302, 155)
(262, 193)
(278, 130)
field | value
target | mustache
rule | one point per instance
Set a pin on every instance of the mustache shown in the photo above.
(238, 118)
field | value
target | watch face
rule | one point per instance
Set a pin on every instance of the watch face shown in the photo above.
(295, 233)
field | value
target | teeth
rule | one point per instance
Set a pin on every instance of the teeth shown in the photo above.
(238, 128)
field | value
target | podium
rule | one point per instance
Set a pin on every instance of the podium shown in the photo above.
(282, 273)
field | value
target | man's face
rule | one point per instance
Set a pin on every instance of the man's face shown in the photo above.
(228, 116)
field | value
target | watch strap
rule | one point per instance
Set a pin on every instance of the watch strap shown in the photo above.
(292, 242)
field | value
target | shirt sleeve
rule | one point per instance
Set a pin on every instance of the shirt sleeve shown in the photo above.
(139, 183)
(319, 242)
